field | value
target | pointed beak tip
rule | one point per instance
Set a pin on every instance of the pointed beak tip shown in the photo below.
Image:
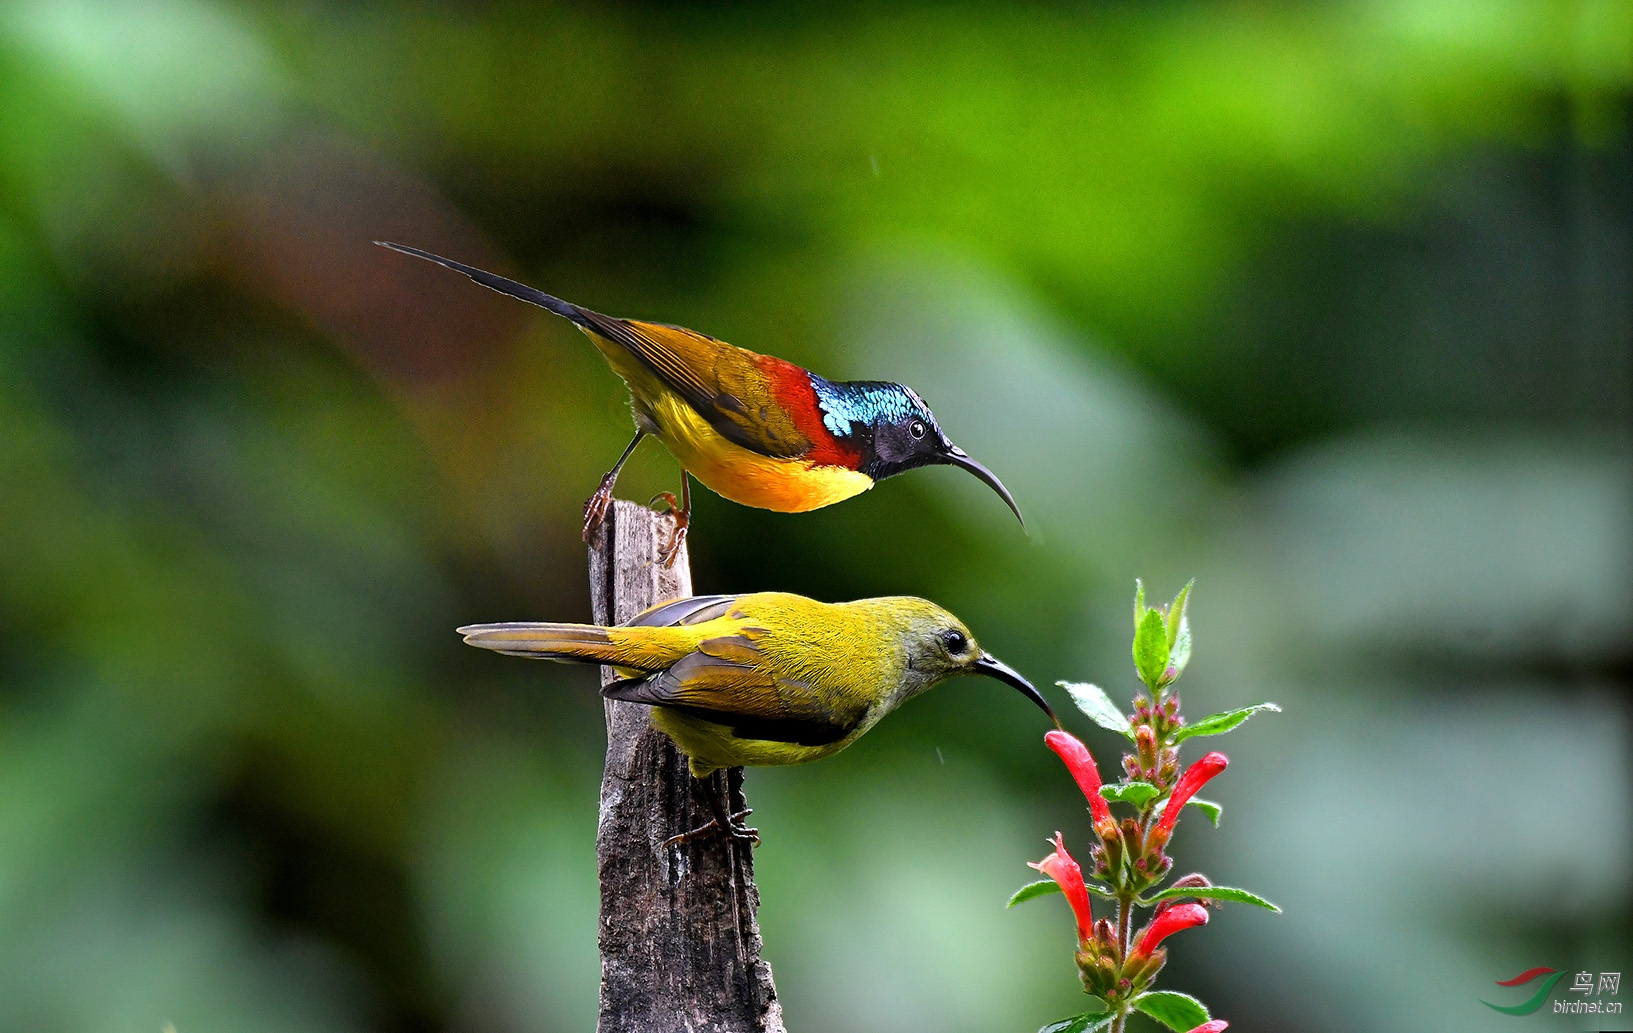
(956, 456)
(993, 667)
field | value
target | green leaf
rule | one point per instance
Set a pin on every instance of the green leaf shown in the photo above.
(1173, 1009)
(1219, 724)
(1151, 648)
(1176, 613)
(1139, 603)
(1137, 793)
(1211, 893)
(1044, 887)
(1041, 888)
(1088, 1022)
(1208, 807)
(1093, 701)
(1179, 652)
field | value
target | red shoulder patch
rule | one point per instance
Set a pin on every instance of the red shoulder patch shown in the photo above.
(791, 387)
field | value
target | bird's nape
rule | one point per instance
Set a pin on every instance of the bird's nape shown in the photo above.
(993, 667)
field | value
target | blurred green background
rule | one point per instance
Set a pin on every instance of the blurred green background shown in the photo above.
(1327, 305)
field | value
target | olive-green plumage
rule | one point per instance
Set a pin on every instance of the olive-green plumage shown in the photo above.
(768, 678)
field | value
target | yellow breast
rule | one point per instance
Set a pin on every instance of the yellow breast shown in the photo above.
(709, 746)
(781, 485)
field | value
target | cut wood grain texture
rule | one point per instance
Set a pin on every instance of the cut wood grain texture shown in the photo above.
(680, 944)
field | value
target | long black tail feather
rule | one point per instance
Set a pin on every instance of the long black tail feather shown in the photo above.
(493, 281)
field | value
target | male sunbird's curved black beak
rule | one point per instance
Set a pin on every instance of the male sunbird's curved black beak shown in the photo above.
(955, 456)
(993, 667)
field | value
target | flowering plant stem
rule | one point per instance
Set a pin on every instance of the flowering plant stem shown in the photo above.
(1117, 963)
(1125, 912)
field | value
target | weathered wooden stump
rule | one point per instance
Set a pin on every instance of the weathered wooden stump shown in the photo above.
(680, 944)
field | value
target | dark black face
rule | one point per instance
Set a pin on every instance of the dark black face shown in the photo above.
(905, 442)
(909, 437)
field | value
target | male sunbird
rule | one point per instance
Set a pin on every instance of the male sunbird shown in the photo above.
(757, 429)
(768, 678)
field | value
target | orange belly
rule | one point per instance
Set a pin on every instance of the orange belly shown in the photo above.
(732, 471)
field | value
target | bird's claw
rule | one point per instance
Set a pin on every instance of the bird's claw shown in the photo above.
(595, 508)
(682, 512)
(734, 828)
(671, 549)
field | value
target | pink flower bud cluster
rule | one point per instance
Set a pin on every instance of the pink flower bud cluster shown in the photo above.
(1153, 724)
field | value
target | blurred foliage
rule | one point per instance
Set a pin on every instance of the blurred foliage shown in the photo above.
(1327, 303)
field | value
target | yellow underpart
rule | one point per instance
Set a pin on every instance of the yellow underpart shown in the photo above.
(782, 485)
(709, 747)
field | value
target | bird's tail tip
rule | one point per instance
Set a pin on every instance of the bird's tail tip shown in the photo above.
(583, 642)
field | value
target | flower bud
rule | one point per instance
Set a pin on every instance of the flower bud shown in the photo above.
(1113, 845)
(1131, 838)
(1168, 921)
(1106, 933)
(1102, 981)
(1060, 867)
(1141, 969)
(1214, 1026)
(1081, 764)
(1167, 766)
(1195, 777)
(1145, 742)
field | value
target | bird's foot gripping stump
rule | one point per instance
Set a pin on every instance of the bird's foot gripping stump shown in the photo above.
(680, 944)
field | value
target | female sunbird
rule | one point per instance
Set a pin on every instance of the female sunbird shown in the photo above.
(768, 678)
(757, 429)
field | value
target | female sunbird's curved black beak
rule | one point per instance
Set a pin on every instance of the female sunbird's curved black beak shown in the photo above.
(955, 456)
(993, 667)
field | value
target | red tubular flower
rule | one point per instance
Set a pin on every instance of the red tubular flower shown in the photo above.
(1216, 1026)
(1196, 776)
(1060, 867)
(1167, 923)
(1081, 764)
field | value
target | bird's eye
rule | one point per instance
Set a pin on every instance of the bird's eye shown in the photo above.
(917, 430)
(954, 641)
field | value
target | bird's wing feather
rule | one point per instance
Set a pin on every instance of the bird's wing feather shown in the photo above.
(728, 681)
(725, 384)
(694, 609)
